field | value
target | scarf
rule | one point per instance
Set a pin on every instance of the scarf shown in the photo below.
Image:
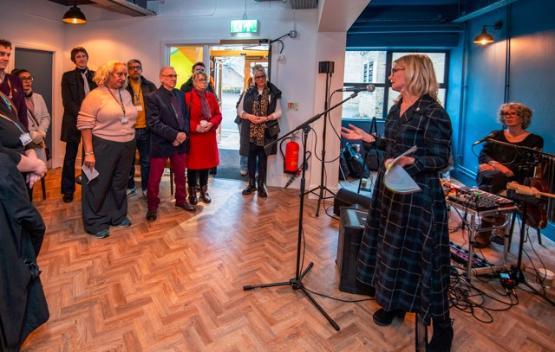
(205, 113)
(260, 108)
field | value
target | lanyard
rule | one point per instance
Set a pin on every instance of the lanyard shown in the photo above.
(7, 101)
(15, 123)
(120, 102)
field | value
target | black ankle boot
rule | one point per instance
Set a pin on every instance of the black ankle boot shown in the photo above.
(383, 317)
(262, 190)
(193, 200)
(442, 338)
(250, 188)
(204, 196)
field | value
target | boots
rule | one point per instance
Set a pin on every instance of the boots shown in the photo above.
(204, 196)
(442, 337)
(384, 317)
(262, 190)
(250, 188)
(193, 200)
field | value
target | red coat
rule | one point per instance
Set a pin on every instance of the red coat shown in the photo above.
(203, 147)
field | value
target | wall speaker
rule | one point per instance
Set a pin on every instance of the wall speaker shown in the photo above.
(325, 66)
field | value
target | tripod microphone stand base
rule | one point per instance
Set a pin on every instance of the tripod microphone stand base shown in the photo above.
(320, 195)
(297, 284)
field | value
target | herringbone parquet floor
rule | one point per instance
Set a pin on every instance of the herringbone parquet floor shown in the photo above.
(176, 284)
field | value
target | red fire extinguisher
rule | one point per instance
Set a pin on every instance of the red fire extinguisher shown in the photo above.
(291, 158)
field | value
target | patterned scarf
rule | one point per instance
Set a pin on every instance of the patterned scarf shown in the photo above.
(205, 113)
(260, 108)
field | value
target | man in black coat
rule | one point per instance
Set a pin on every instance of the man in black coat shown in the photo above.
(75, 85)
(168, 121)
(23, 305)
(139, 87)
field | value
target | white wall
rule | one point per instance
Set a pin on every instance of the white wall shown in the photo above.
(112, 36)
(28, 24)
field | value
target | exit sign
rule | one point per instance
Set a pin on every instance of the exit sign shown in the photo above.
(244, 26)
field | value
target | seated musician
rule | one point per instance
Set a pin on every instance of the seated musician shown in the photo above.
(500, 163)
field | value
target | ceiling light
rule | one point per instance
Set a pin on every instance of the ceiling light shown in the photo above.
(74, 16)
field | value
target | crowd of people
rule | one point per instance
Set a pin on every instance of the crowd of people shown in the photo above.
(117, 113)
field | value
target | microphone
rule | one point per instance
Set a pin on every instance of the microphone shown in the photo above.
(491, 135)
(369, 88)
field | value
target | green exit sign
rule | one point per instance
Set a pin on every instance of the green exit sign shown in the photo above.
(244, 26)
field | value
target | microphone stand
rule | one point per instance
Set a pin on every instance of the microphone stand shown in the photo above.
(296, 282)
(322, 187)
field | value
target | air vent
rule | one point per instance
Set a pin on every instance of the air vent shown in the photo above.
(303, 4)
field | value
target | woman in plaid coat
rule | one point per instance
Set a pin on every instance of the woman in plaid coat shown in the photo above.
(404, 252)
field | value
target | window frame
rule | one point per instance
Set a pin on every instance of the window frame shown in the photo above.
(387, 85)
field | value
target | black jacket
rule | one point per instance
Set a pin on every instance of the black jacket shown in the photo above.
(164, 124)
(73, 94)
(147, 87)
(23, 305)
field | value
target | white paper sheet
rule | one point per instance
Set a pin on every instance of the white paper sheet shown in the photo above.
(91, 174)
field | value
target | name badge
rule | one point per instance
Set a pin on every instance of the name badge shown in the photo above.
(25, 139)
(124, 120)
(139, 108)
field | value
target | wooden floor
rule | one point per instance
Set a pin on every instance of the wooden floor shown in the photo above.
(176, 284)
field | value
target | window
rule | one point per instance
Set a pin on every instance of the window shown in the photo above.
(365, 67)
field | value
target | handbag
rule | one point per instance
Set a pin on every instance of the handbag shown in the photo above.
(272, 129)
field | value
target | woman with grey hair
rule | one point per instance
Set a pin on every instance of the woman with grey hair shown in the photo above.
(106, 121)
(260, 110)
(501, 163)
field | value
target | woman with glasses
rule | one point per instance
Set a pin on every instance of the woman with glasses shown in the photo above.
(205, 117)
(499, 164)
(404, 253)
(37, 113)
(260, 110)
(106, 120)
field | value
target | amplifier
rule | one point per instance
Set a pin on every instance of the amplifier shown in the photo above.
(346, 198)
(350, 235)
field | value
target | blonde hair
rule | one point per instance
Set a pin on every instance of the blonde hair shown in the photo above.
(523, 111)
(102, 75)
(420, 76)
(258, 68)
(203, 74)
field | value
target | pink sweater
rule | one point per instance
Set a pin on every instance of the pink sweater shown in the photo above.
(103, 114)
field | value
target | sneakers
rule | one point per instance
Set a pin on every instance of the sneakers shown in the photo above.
(124, 223)
(102, 233)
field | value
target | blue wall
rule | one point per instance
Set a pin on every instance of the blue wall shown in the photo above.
(531, 25)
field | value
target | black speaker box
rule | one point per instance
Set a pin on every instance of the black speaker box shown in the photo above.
(326, 66)
(348, 244)
(346, 198)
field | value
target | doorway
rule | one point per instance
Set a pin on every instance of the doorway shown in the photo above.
(230, 68)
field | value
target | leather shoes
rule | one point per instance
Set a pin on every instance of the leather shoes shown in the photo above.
(193, 195)
(262, 191)
(186, 206)
(250, 188)
(151, 215)
(383, 317)
(68, 197)
(102, 233)
(79, 179)
(442, 339)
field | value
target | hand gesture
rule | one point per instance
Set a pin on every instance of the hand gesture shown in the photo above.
(354, 133)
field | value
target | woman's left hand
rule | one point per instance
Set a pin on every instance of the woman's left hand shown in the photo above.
(403, 161)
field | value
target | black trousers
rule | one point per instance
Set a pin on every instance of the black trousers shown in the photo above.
(68, 169)
(257, 153)
(105, 197)
(194, 176)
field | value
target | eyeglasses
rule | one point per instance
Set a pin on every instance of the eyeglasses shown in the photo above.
(26, 79)
(395, 69)
(202, 80)
(260, 77)
(135, 68)
(170, 76)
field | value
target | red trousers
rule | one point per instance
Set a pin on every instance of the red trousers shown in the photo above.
(177, 165)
